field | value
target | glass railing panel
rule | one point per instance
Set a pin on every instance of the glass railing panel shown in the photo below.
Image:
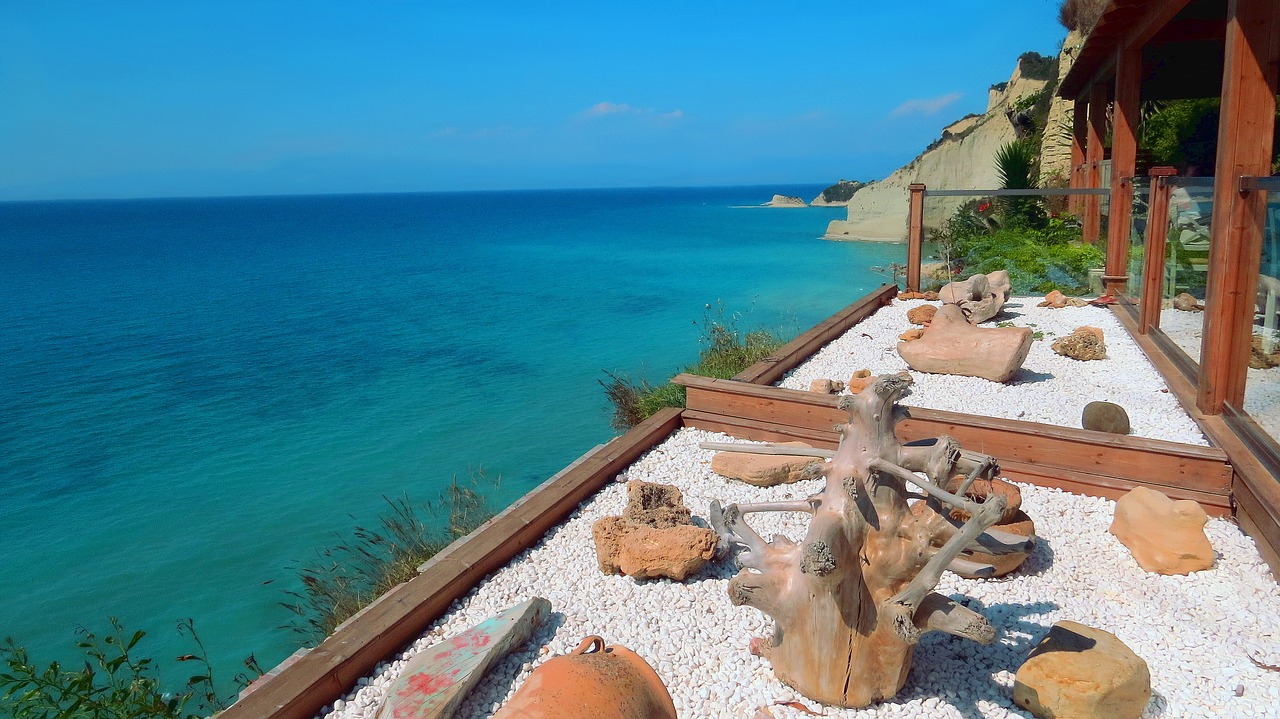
(1138, 237)
(1262, 387)
(1186, 262)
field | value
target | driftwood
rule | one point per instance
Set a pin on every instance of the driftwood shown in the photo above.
(953, 346)
(980, 297)
(850, 601)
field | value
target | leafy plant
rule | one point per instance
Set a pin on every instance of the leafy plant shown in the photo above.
(725, 351)
(1016, 169)
(115, 682)
(345, 578)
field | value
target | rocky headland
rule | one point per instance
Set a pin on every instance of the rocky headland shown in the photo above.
(964, 156)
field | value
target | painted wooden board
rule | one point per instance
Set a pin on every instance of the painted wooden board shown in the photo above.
(437, 679)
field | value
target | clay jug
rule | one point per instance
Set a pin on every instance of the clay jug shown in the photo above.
(592, 682)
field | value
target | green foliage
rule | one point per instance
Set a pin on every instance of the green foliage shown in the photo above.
(1038, 67)
(115, 682)
(725, 352)
(1181, 133)
(1016, 169)
(842, 191)
(346, 577)
(1038, 259)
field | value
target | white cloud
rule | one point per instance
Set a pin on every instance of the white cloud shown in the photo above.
(925, 105)
(602, 109)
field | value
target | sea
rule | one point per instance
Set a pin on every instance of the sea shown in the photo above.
(198, 395)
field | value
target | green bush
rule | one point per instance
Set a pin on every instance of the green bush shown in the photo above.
(725, 352)
(345, 578)
(1038, 260)
(115, 682)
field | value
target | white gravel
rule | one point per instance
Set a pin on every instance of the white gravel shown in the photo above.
(1049, 388)
(1194, 632)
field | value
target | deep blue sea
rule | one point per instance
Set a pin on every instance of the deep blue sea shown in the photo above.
(196, 394)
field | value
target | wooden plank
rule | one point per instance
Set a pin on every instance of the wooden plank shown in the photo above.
(1266, 525)
(1153, 19)
(1124, 156)
(773, 367)
(1245, 129)
(1096, 485)
(329, 670)
(1191, 467)
(1096, 130)
(915, 235)
(1270, 553)
(1154, 248)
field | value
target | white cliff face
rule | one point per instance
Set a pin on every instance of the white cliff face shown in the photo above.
(1055, 150)
(963, 159)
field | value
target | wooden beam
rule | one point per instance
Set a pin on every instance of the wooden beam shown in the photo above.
(772, 368)
(1154, 247)
(1153, 18)
(1094, 155)
(915, 235)
(1124, 156)
(1195, 30)
(1079, 140)
(1245, 129)
(400, 616)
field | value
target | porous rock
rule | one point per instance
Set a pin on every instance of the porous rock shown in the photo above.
(1164, 536)
(826, 386)
(654, 537)
(911, 335)
(950, 345)
(765, 470)
(921, 315)
(1187, 302)
(860, 380)
(1105, 417)
(1079, 672)
(1084, 344)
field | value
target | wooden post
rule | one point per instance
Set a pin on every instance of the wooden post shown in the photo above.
(1079, 140)
(915, 235)
(1152, 290)
(1097, 128)
(1124, 156)
(1245, 132)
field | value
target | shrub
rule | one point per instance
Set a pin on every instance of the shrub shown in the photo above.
(725, 352)
(346, 577)
(115, 683)
(1038, 260)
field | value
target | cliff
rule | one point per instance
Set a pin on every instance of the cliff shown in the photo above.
(963, 158)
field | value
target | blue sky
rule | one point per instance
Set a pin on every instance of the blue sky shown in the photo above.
(134, 99)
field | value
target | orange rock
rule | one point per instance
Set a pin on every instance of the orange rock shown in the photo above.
(1084, 344)
(766, 470)
(952, 346)
(1164, 536)
(1054, 299)
(911, 334)
(654, 537)
(862, 379)
(826, 386)
(981, 489)
(1087, 330)
(910, 296)
(1079, 672)
(921, 315)
(930, 296)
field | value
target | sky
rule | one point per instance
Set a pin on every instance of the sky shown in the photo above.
(158, 99)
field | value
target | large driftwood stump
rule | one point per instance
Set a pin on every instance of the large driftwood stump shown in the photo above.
(850, 601)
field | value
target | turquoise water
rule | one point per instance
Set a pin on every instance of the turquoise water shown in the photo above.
(198, 393)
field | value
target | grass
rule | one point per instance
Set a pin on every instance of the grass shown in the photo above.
(725, 352)
(345, 578)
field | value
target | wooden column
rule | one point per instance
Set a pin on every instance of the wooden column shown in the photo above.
(1079, 140)
(1157, 234)
(1124, 156)
(1244, 149)
(1096, 130)
(915, 235)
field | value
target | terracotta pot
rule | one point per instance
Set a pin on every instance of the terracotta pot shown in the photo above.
(593, 681)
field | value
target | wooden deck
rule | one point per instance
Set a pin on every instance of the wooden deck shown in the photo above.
(749, 407)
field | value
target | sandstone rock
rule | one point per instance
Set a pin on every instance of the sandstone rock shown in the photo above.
(1078, 672)
(647, 553)
(921, 315)
(1164, 536)
(654, 537)
(1105, 417)
(910, 296)
(766, 470)
(826, 386)
(981, 489)
(930, 296)
(1056, 300)
(981, 296)
(862, 379)
(911, 335)
(655, 505)
(952, 346)
(1187, 303)
(1084, 344)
